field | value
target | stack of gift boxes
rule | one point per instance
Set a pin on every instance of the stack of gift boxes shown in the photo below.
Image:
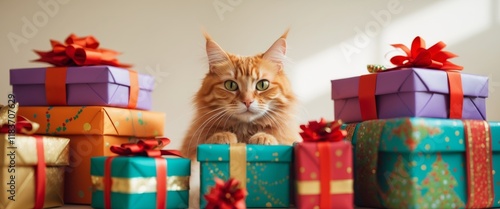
(417, 137)
(95, 102)
(315, 173)
(32, 166)
(419, 132)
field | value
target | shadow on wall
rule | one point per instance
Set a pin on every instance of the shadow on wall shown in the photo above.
(470, 49)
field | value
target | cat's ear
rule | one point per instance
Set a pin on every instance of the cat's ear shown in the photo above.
(215, 53)
(276, 53)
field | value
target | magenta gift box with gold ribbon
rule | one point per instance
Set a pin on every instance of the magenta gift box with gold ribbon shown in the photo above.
(86, 85)
(426, 163)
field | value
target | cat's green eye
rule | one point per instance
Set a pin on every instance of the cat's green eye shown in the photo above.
(262, 85)
(231, 85)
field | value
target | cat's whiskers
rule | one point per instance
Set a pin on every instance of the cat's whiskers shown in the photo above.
(209, 112)
(232, 107)
(274, 117)
(217, 120)
(215, 112)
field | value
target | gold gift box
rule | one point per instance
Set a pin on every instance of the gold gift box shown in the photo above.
(18, 170)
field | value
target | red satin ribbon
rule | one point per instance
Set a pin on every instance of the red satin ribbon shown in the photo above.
(134, 89)
(161, 183)
(366, 95)
(22, 125)
(150, 148)
(226, 195)
(316, 131)
(456, 94)
(324, 174)
(419, 56)
(40, 174)
(55, 85)
(480, 182)
(107, 182)
(79, 51)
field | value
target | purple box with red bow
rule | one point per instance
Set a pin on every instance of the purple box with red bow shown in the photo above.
(87, 85)
(424, 84)
(84, 75)
(411, 92)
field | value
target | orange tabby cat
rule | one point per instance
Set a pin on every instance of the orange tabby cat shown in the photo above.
(243, 99)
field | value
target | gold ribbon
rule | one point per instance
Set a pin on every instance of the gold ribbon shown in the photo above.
(238, 163)
(140, 185)
(336, 187)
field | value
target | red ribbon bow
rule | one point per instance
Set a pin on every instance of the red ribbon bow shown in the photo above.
(316, 131)
(22, 125)
(148, 147)
(79, 51)
(226, 195)
(419, 56)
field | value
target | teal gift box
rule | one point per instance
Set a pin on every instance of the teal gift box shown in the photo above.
(134, 182)
(424, 163)
(267, 171)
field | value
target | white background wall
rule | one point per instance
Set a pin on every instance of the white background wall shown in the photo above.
(328, 40)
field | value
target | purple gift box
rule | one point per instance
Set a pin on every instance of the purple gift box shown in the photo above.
(411, 92)
(88, 85)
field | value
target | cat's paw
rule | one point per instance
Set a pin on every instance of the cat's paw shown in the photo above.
(263, 138)
(222, 138)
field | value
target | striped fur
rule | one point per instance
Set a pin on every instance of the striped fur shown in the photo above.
(222, 116)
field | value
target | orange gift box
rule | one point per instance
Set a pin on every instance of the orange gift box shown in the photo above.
(78, 187)
(99, 120)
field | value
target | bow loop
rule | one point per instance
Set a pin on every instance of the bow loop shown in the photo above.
(419, 56)
(146, 147)
(79, 51)
(316, 131)
(12, 123)
(86, 41)
(226, 195)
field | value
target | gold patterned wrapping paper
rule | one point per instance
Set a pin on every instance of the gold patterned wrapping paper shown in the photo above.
(22, 169)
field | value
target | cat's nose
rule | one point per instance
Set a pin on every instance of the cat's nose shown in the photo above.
(247, 103)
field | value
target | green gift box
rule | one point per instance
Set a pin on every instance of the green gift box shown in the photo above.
(134, 182)
(266, 175)
(426, 163)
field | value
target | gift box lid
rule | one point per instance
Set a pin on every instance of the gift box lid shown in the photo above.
(255, 153)
(24, 153)
(426, 135)
(79, 75)
(412, 80)
(139, 166)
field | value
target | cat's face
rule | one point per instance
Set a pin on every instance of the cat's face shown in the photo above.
(246, 88)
